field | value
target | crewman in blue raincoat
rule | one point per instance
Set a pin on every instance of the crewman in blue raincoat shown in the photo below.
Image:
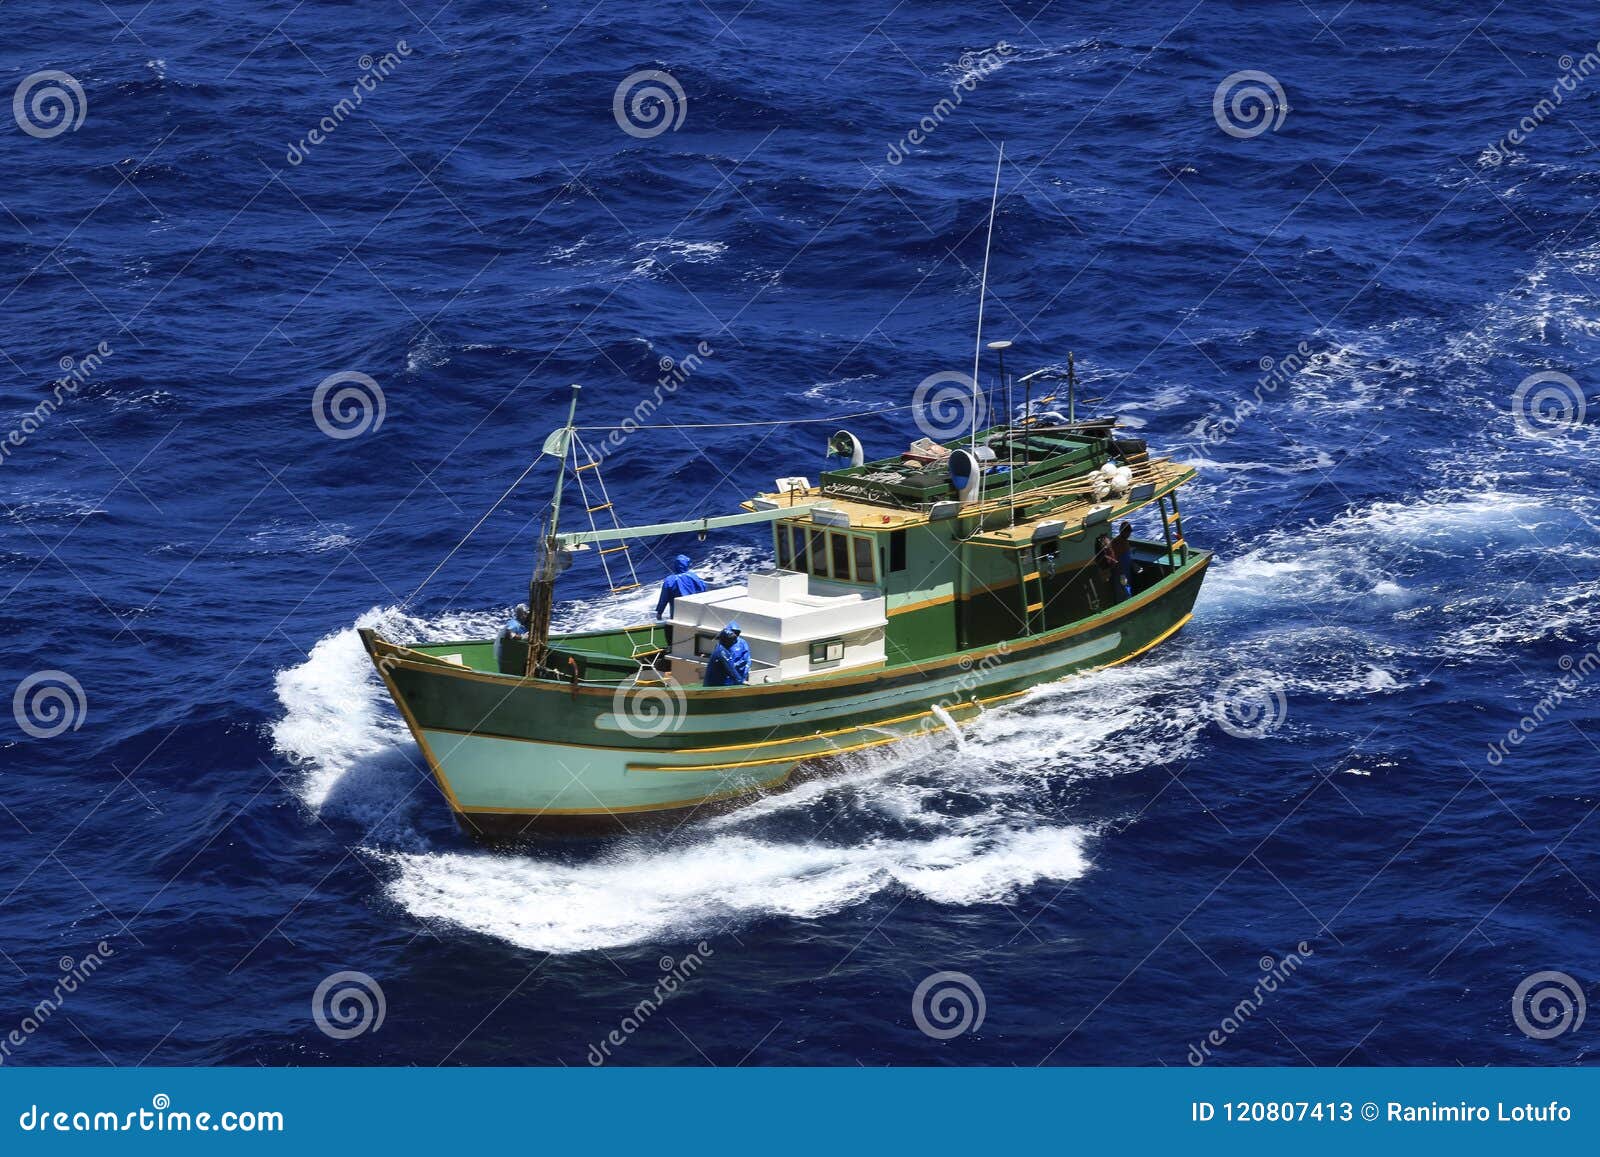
(682, 581)
(516, 628)
(729, 665)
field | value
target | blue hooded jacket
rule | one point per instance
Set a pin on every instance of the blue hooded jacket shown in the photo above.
(729, 665)
(682, 581)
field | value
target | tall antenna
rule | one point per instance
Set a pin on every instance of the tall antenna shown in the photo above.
(983, 289)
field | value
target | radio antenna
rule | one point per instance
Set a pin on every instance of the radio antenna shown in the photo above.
(983, 289)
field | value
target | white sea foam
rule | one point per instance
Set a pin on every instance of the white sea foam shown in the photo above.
(838, 392)
(332, 717)
(666, 251)
(641, 893)
(278, 537)
(430, 353)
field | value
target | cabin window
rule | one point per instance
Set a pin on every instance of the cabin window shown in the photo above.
(897, 550)
(704, 645)
(863, 547)
(827, 651)
(841, 556)
(832, 554)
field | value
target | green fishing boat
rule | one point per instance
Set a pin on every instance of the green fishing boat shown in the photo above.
(905, 593)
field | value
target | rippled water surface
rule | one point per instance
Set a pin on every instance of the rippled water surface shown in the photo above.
(1334, 318)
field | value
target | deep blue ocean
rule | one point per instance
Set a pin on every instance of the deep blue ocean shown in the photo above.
(1330, 295)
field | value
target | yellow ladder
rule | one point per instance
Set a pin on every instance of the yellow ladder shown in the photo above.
(1030, 585)
(1172, 529)
(620, 583)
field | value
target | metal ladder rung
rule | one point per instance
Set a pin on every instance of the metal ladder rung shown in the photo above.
(587, 466)
(627, 587)
(613, 549)
(1173, 517)
(1035, 607)
(597, 509)
(1028, 578)
(1177, 545)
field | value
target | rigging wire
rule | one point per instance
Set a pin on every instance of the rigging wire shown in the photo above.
(412, 597)
(775, 422)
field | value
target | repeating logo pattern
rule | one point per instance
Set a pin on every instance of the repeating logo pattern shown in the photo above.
(1548, 1004)
(648, 103)
(1547, 402)
(48, 104)
(946, 404)
(48, 703)
(348, 404)
(947, 1004)
(1249, 103)
(348, 1004)
(1250, 705)
(646, 709)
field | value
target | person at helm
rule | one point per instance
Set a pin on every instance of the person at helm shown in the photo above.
(729, 665)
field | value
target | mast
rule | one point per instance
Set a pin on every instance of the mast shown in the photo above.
(541, 587)
(1072, 390)
(1000, 348)
(983, 289)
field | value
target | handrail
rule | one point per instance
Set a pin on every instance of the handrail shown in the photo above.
(695, 525)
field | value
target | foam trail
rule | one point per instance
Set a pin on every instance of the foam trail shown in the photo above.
(642, 895)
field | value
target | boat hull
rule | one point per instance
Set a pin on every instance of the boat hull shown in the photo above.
(514, 756)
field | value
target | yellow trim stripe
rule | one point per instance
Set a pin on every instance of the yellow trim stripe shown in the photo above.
(971, 703)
